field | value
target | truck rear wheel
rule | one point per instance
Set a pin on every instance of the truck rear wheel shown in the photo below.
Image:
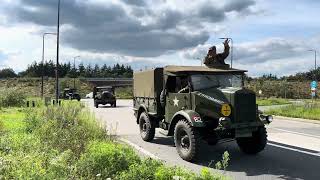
(147, 127)
(254, 144)
(186, 139)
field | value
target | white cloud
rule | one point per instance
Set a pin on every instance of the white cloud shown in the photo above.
(273, 55)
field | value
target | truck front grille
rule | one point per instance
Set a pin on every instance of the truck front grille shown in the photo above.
(245, 107)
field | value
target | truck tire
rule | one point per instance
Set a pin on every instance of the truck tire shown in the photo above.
(254, 144)
(187, 140)
(147, 127)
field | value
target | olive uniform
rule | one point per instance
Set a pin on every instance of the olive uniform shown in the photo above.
(217, 60)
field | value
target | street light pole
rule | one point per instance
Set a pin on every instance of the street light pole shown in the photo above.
(231, 49)
(42, 66)
(315, 62)
(57, 63)
(74, 68)
(200, 61)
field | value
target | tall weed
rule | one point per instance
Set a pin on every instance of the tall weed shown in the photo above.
(105, 160)
(12, 97)
(65, 127)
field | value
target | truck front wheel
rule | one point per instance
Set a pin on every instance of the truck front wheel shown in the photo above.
(147, 127)
(186, 139)
(254, 144)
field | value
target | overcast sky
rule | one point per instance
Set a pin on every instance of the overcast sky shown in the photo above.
(269, 36)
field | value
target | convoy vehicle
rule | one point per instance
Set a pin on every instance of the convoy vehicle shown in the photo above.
(195, 103)
(70, 93)
(104, 95)
(89, 95)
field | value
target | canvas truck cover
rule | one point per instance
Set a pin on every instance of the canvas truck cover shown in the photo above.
(148, 83)
(198, 69)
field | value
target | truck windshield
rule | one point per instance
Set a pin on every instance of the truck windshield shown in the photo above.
(203, 81)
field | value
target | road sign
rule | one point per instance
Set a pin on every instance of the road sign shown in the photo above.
(314, 84)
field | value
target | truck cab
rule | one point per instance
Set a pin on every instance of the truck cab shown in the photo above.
(195, 103)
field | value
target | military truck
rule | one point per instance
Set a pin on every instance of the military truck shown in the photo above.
(104, 95)
(194, 103)
(70, 93)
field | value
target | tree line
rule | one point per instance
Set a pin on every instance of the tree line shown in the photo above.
(122, 71)
(301, 76)
(68, 70)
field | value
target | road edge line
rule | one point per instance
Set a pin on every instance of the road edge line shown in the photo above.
(292, 149)
(311, 121)
(140, 149)
(297, 133)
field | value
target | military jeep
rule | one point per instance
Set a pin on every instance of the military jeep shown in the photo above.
(70, 93)
(104, 95)
(193, 103)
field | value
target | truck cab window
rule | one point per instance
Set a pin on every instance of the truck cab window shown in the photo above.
(171, 84)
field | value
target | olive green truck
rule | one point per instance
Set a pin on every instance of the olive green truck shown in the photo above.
(194, 103)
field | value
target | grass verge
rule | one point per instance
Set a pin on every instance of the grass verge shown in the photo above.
(307, 111)
(67, 143)
(272, 101)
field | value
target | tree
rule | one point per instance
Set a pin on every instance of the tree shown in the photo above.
(7, 73)
(67, 70)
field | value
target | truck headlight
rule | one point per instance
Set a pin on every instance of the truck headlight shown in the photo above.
(224, 120)
(269, 118)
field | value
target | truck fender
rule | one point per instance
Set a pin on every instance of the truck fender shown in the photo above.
(191, 116)
(142, 108)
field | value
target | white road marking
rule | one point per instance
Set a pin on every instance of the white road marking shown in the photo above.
(294, 132)
(297, 150)
(140, 149)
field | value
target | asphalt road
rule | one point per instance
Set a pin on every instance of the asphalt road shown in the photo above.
(293, 150)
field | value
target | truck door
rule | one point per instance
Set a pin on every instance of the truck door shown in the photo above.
(176, 101)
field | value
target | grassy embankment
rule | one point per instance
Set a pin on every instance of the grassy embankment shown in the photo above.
(272, 101)
(31, 87)
(67, 143)
(307, 111)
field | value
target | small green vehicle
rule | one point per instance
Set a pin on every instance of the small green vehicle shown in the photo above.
(70, 93)
(194, 103)
(104, 95)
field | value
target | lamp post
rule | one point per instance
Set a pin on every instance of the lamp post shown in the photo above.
(57, 63)
(231, 48)
(315, 61)
(200, 60)
(315, 66)
(42, 66)
(74, 68)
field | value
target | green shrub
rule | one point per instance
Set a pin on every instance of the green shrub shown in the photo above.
(69, 127)
(12, 97)
(124, 93)
(105, 160)
(67, 143)
(144, 170)
(1, 127)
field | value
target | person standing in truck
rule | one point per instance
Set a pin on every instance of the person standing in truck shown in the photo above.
(214, 60)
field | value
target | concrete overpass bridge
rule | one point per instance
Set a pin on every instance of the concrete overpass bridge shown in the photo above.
(116, 82)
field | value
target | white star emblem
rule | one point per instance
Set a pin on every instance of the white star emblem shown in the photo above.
(175, 101)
